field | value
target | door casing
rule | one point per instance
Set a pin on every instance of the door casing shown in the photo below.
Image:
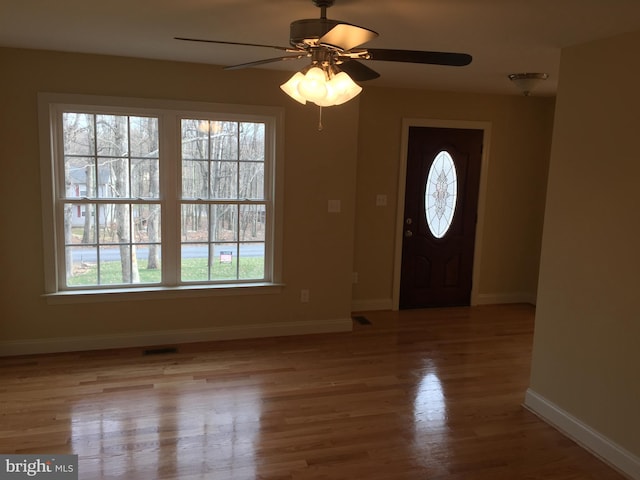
(484, 167)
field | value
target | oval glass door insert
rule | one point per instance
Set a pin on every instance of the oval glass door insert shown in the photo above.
(440, 194)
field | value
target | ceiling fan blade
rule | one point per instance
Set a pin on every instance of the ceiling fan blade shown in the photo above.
(346, 36)
(357, 71)
(284, 49)
(262, 62)
(418, 56)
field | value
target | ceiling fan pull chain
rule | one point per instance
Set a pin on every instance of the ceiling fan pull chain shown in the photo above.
(320, 127)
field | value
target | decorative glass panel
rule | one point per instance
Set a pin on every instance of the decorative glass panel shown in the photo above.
(441, 193)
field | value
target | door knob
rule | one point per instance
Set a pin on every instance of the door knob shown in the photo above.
(408, 233)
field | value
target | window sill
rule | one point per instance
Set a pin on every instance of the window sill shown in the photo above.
(156, 293)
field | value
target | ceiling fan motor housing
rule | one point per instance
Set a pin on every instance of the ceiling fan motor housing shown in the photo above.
(337, 50)
(323, 3)
(309, 29)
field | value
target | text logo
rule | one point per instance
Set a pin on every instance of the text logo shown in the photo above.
(51, 467)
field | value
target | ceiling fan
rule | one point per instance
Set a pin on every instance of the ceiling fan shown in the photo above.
(332, 46)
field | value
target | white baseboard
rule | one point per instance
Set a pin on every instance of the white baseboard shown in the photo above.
(613, 454)
(503, 298)
(371, 305)
(170, 337)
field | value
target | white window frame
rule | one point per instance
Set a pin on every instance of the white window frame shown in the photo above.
(169, 113)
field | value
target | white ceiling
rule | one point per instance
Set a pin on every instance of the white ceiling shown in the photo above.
(504, 36)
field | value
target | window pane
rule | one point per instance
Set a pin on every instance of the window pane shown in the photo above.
(251, 261)
(112, 137)
(114, 223)
(113, 178)
(148, 260)
(78, 134)
(194, 262)
(252, 141)
(195, 139)
(79, 223)
(82, 267)
(144, 137)
(252, 222)
(195, 223)
(111, 269)
(224, 264)
(224, 223)
(195, 179)
(252, 180)
(79, 177)
(224, 180)
(145, 179)
(224, 141)
(146, 223)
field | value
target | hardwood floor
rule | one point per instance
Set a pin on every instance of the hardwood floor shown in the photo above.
(420, 394)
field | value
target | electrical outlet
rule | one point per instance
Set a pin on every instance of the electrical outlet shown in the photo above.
(304, 296)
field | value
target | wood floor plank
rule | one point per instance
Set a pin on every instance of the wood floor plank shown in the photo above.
(415, 394)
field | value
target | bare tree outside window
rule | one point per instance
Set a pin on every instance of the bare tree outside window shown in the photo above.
(122, 197)
(111, 174)
(223, 209)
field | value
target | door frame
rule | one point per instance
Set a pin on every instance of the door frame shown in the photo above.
(402, 178)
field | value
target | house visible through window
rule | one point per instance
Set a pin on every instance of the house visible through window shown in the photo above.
(146, 197)
(111, 171)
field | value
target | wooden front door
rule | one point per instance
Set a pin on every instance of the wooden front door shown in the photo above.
(440, 213)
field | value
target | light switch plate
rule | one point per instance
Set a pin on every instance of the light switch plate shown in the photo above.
(334, 206)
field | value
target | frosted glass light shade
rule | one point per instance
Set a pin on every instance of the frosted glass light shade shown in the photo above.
(316, 86)
(313, 86)
(291, 88)
(344, 88)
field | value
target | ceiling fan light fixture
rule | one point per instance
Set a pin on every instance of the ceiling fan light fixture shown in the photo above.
(335, 60)
(527, 82)
(321, 84)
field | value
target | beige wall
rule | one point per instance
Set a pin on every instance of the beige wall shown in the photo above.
(586, 357)
(353, 159)
(318, 167)
(516, 184)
